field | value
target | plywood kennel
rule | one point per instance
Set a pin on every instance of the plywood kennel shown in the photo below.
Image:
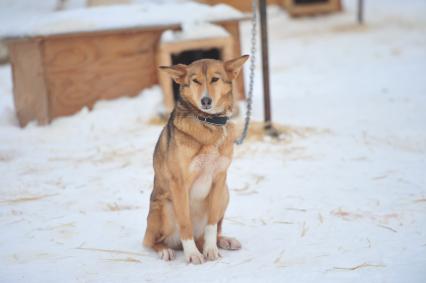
(57, 75)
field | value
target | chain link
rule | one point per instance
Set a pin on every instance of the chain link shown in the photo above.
(240, 140)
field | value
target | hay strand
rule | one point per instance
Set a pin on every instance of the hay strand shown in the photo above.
(110, 251)
(356, 267)
(25, 199)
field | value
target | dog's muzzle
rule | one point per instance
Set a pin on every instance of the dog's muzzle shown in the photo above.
(206, 103)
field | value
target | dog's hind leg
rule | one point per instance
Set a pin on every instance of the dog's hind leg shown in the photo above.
(226, 243)
(164, 252)
(223, 242)
(157, 225)
(160, 248)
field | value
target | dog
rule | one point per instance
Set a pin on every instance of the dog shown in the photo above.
(191, 159)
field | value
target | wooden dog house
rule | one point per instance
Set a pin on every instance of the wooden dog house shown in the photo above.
(59, 74)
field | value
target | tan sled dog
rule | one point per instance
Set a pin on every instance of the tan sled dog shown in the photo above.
(191, 160)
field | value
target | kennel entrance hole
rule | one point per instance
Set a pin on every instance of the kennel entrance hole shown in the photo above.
(189, 56)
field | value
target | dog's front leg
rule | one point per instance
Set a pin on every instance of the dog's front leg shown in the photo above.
(182, 211)
(218, 201)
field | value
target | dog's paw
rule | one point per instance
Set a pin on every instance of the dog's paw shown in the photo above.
(228, 243)
(167, 254)
(211, 253)
(192, 254)
(195, 258)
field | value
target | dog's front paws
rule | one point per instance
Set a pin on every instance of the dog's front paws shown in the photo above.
(192, 254)
(211, 253)
(195, 258)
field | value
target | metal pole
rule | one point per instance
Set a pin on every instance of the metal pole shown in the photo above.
(265, 63)
(360, 11)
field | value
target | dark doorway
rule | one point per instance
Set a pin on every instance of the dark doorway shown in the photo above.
(187, 57)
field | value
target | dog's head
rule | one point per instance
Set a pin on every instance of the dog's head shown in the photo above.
(207, 83)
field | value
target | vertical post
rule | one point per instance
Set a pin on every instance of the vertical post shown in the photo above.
(360, 11)
(265, 63)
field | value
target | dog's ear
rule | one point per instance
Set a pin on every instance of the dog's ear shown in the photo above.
(177, 72)
(233, 66)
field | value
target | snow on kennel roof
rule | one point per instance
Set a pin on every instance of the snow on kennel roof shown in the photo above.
(196, 30)
(118, 17)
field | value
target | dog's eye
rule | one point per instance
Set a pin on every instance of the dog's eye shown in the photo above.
(214, 79)
(196, 81)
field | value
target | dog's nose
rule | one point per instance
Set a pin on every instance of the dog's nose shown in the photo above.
(206, 102)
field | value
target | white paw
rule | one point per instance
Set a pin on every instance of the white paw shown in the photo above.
(211, 253)
(195, 258)
(227, 243)
(167, 254)
(192, 254)
(210, 250)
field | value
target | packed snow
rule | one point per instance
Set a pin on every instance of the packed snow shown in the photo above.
(340, 198)
(194, 31)
(115, 17)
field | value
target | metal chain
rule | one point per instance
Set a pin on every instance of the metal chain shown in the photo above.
(240, 140)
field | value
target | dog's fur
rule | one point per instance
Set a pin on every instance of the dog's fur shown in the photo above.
(191, 159)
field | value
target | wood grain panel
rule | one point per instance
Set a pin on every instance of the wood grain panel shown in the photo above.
(82, 70)
(29, 87)
(242, 5)
(233, 28)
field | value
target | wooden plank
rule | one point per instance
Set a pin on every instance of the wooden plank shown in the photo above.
(131, 29)
(242, 5)
(29, 85)
(164, 59)
(297, 10)
(82, 70)
(207, 43)
(234, 29)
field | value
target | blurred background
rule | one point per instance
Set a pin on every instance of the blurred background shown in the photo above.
(338, 196)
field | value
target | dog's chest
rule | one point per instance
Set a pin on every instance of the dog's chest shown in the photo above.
(206, 166)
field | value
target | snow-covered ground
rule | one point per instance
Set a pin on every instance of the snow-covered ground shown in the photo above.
(341, 199)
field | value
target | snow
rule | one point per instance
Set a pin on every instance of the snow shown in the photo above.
(115, 17)
(341, 199)
(192, 31)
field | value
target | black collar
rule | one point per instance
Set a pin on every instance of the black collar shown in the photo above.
(215, 120)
